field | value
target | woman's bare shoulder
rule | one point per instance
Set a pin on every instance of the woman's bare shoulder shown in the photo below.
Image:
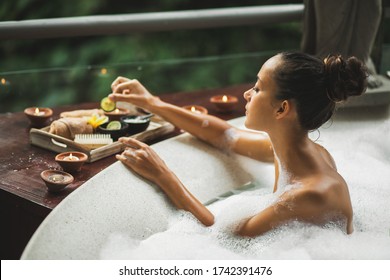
(326, 156)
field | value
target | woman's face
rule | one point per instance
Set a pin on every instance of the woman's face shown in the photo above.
(261, 98)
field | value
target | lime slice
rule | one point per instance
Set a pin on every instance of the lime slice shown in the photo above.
(114, 125)
(107, 104)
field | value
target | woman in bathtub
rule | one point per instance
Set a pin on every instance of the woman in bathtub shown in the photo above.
(295, 93)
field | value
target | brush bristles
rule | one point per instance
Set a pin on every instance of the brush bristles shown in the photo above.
(93, 141)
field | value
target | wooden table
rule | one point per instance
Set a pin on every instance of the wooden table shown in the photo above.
(24, 200)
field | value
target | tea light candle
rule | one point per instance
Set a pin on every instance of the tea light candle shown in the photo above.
(56, 180)
(224, 103)
(71, 161)
(71, 157)
(38, 116)
(116, 114)
(196, 109)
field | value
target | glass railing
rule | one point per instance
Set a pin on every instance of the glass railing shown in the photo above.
(51, 87)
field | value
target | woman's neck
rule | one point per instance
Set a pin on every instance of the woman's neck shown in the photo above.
(295, 154)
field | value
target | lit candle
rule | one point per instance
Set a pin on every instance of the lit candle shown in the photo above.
(38, 116)
(224, 98)
(196, 109)
(71, 157)
(193, 110)
(224, 103)
(56, 178)
(38, 113)
(116, 114)
(71, 161)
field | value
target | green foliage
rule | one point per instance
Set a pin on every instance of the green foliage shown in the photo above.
(60, 71)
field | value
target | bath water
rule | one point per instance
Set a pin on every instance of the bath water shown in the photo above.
(364, 162)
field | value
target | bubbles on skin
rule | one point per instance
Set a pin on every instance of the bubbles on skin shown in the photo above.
(230, 137)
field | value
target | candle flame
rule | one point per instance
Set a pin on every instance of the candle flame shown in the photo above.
(116, 110)
(224, 98)
(103, 71)
(193, 109)
(36, 111)
(3, 81)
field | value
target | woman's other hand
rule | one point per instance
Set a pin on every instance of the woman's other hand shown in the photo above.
(142, 159)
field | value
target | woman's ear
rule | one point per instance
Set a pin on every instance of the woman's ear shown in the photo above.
(283, 109)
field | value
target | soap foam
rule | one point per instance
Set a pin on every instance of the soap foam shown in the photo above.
(364, 162)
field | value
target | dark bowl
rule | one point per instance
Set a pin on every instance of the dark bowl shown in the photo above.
(136, 125)
(115, 134)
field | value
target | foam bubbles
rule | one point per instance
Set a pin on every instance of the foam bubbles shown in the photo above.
(362, 157)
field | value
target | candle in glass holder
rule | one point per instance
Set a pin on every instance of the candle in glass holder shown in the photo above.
(38, 116)
(224, 103)
(196, 109)
(116, 114)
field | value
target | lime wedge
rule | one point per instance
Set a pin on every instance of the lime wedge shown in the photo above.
(114, 125)
(107, 104)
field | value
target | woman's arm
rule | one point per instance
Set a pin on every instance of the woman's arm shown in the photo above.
(143, 160)
(205, 127)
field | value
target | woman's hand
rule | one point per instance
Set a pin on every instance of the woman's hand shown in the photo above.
(131, 91)
(142, 159)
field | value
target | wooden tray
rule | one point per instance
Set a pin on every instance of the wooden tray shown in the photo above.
(42, 138)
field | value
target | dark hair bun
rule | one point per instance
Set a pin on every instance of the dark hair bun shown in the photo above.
(344, 78)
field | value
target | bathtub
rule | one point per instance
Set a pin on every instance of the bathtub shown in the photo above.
(118, 215)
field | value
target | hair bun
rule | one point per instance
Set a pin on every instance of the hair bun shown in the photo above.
(344, 78)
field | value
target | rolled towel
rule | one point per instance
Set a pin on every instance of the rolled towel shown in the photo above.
(69, 127)
(82, 113)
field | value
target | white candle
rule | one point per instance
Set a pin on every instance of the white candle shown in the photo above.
(38, 113)
(224, 98)
(56, 178)
(71, 157)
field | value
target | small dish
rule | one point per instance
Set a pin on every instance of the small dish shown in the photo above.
(38, 116)
(224, 103)
(56, 180)
(136, 124)
(71, 161)
(196, 109)
(115, 133)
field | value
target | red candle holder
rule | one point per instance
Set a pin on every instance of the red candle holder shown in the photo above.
(38, 116)
(224, 103)
(196, 109)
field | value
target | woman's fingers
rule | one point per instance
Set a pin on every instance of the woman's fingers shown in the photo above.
(131, 142)
(118, 81)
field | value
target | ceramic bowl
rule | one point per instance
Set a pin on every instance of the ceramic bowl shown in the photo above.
(136, 124)
(115, 133)
(56, 180)
(71, 161)
(38, 116)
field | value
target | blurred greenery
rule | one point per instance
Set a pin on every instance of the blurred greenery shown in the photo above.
(60, 71)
